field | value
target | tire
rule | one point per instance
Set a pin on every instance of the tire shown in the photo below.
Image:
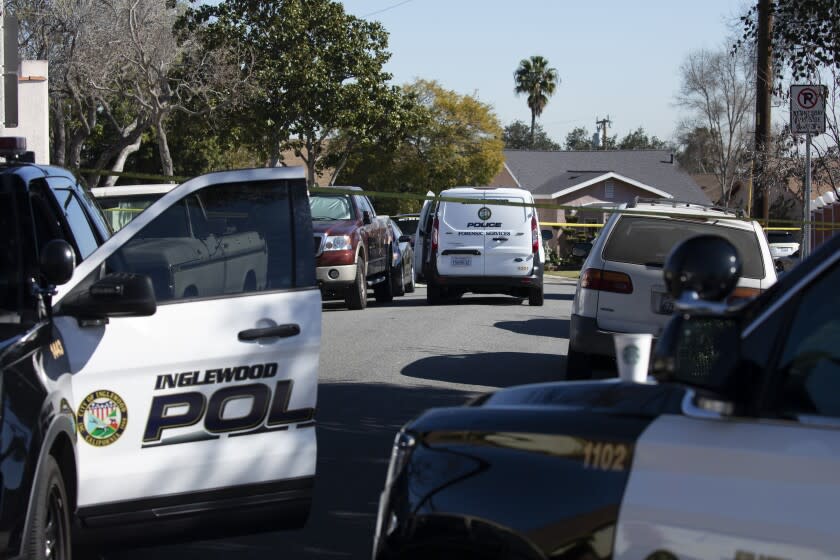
(536, 296)
(578, 366)
(398, 281)
(49, 531)
(409, 289)
(433, 296)
(384, 291)
(356, 297)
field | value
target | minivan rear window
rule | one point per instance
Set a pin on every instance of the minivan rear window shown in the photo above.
(648, 241)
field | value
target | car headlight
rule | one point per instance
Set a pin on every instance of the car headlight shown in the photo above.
(403, 444)
(338, 243)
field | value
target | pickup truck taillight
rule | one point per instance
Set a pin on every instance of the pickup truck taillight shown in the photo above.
(535, 235)
(606, 281)
(435, 229)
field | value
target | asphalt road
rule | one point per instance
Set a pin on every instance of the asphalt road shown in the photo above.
(379, 368)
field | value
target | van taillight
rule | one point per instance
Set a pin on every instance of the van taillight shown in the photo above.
(535, 235)
(435, 228)
(606, 281)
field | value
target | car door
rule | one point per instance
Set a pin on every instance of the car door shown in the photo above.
(705, 486)
(507, 242)
(461, 236)
(421, 243)
(210, 392)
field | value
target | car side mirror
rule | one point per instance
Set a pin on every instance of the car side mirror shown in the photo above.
(366, 217)
(124, 294)
(57, 262)
(700, 346)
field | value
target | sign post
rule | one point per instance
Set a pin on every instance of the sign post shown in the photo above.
(807, 116)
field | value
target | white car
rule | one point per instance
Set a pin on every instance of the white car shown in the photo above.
(120, 204)
(620, 289)
(486, 246)
(782, 244)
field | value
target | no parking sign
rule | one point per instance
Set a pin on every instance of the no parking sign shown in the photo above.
(807, 109)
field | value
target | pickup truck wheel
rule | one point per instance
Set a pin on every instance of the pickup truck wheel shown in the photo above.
(536, 296)
(49, 532)
(357, 294)
(384, 291)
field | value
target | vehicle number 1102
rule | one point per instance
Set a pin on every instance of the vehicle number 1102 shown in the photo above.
(605, 456)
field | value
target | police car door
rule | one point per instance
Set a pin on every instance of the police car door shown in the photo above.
(215, 390)
(508, 245)
(461, 236)
(705, 486)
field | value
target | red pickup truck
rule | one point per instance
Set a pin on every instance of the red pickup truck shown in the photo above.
(352, 248)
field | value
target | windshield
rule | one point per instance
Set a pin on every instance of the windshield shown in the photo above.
(648, 241)
(330, 207)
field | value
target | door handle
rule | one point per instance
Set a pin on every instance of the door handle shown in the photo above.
(500, 238)
(279, 331)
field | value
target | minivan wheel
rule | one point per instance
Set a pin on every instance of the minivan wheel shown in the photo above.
(356, 297)
(49, 534)
(578, 366)
(536, 296)
(432, 293)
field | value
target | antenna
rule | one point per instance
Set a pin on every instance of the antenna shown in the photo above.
(601, 125)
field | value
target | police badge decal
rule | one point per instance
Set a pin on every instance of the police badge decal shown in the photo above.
(102, 418)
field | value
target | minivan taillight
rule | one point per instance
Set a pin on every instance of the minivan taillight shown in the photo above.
(535, 235)
(435, 228)
(741, 293)
(606, 281)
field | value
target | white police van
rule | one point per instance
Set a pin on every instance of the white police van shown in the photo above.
(482, 240)
(193, 410)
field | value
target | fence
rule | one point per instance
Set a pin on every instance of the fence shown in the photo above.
(825, 217)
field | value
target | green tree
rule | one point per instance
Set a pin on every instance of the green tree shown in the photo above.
(579, 139)
(535, 79)
(805, 35)
(639, 140)
(517, 136)
(452, 140)
(315, 71)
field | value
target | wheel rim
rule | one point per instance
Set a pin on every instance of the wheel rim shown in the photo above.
(54, 529)
(363, 285)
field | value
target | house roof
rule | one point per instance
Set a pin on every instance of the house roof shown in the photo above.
(549, 173)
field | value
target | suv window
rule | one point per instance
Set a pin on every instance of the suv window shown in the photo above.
(648, 241)
(225, 240)
(811, 357)
(77, 221)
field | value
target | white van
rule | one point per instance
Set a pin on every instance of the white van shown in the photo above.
(481, 244)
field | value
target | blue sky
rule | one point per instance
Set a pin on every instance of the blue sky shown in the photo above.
(616, 58)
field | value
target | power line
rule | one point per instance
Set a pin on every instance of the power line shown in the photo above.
(397, 5)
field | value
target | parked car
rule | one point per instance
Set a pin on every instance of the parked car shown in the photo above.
(620, 289)
(120, 204)
(352, 248)
(408, 224)
(482, 247)
(92, 336)
(739, 459)
(402, 261)
(782, 243)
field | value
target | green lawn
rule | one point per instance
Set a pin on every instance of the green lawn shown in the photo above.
(574, 274)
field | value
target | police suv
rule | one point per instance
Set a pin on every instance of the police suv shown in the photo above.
(129, 402)
(734, 453)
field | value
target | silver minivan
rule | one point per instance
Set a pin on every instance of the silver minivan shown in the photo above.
(487, 241)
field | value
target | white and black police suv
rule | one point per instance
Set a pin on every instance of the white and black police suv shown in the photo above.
(734, 453)
(161, 381)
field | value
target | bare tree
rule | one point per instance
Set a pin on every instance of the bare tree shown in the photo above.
(718, 91)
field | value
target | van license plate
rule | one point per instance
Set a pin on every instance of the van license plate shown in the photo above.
(461, 261)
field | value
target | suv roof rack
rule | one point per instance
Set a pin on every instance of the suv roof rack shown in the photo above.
(675, 202)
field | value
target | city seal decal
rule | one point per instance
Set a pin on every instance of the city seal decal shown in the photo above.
(484, 213)
(102, 418)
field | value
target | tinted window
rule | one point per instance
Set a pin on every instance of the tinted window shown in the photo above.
(78, 222)
(811, 357)
(11, 265)
(648, 241)
(224, 240)
(780, 237)
(408, 224)
(329, 207)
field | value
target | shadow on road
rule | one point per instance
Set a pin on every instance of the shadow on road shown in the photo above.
(562, 297)
(492, 369)
(356, 427)
(558, 328)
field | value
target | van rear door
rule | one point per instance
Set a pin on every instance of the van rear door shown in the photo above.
(422, 237)
(507, 237)
(461, 238)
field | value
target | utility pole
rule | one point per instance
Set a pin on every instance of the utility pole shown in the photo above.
(763, 97)
(602, 126)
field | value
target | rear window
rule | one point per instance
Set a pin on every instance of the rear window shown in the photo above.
(508, 215)
(459, 214)
(408, 224)
(781, 237)
(648, 241)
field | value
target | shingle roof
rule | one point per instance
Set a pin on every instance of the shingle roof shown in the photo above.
(548, 172)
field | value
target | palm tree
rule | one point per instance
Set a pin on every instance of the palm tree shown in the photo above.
(534, 78)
